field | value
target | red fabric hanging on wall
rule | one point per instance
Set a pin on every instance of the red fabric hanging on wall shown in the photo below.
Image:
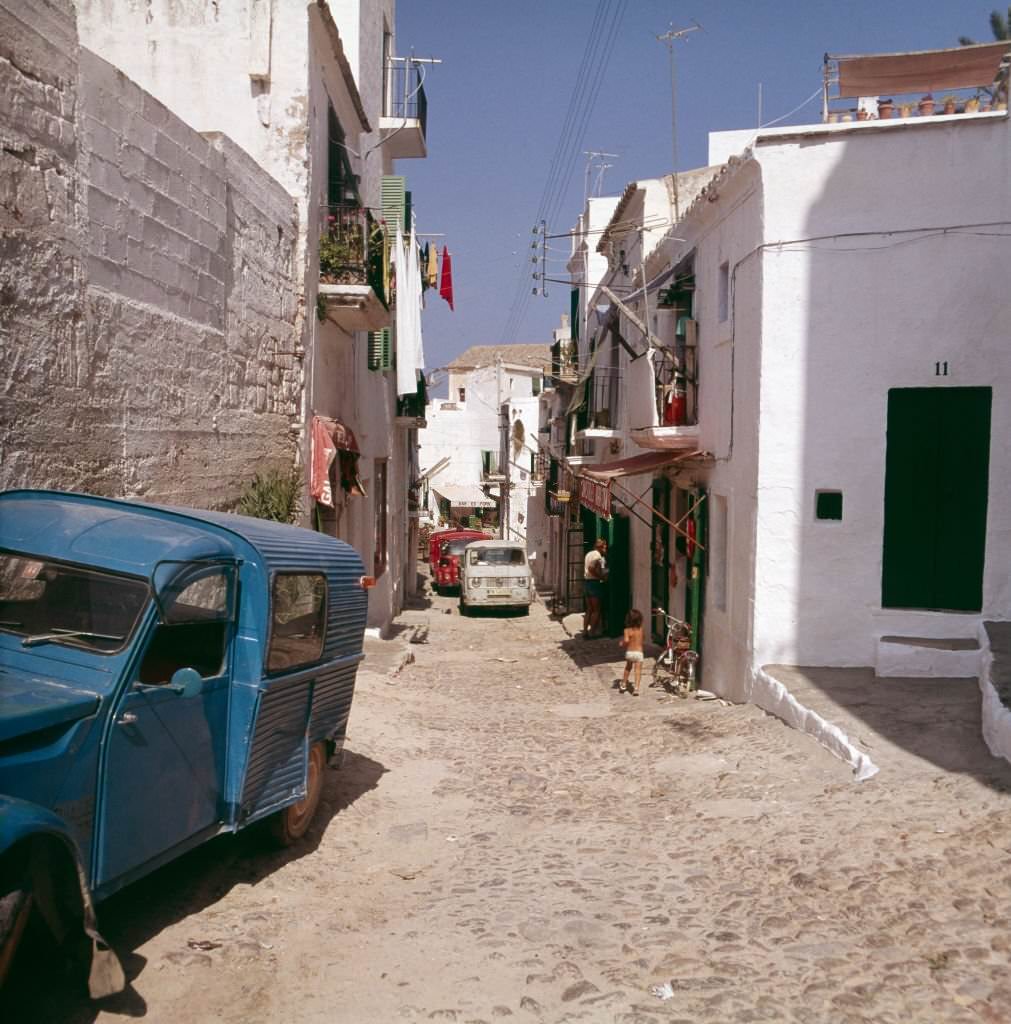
(446, 284)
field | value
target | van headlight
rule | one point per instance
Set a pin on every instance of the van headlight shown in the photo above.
(474, 582)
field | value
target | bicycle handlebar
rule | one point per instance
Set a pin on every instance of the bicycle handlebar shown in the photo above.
(671, 618)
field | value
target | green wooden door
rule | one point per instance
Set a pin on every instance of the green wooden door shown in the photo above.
(619, 575)
(660, 557)
(936, 487)
(695, 584)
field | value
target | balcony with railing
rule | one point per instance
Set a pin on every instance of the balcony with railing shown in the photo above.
(603, 394)
(352, 291)
(675, 373)
(404, 121)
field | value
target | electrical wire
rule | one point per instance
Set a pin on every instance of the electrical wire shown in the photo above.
(596, 55)
(817, 92)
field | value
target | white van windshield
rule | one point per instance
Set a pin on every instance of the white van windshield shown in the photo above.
(497, 556)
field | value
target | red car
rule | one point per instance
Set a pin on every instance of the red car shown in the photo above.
(445, 549)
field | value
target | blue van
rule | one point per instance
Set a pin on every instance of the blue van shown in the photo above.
(165, 675)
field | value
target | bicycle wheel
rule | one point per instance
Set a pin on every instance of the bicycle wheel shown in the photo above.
(662, 672)
(685, 673)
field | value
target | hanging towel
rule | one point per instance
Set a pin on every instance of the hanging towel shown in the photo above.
(446, 287)
(432, 265)
(322, 450)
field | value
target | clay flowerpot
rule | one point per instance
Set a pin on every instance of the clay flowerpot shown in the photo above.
(949, 107)
(906, 110)
(886, 109)
(863, 115)
(926, 105)
(971, 106)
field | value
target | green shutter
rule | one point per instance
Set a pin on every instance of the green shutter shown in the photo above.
(380, 355)
(394, 201)
(574, 314)
(407, 211)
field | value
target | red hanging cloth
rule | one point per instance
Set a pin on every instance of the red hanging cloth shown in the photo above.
(446, 284)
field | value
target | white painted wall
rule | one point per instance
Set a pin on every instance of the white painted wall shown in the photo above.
(872, 305)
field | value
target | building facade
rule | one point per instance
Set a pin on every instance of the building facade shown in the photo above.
(478, 448)
(812, 385)
(226, 232)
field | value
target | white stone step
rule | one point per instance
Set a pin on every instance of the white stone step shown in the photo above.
(927, 657)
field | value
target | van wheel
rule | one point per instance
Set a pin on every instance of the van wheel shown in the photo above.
(289, 825)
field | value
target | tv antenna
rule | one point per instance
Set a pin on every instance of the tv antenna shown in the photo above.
(591, 155)
(669, 37)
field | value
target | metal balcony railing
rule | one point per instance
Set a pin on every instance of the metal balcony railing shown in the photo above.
(351, 247)
(605, 388)
(405, 94)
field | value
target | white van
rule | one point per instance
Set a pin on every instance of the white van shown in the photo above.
(495, 574)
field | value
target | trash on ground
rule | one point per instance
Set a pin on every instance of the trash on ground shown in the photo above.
(203, 944)
(705, 695)
(511, 661)
(664, 991)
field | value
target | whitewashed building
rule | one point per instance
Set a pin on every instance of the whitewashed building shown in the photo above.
(831, 315)
(316, 94)
(469, 470)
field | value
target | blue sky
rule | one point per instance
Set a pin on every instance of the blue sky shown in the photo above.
(497, 104)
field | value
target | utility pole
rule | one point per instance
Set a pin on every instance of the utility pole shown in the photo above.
(668, 37)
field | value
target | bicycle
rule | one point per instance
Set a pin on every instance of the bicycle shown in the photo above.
(675, 666)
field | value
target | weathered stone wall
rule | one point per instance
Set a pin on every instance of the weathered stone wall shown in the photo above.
(41, 270)
(170, 368)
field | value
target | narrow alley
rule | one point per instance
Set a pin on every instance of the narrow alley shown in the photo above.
(510, 837)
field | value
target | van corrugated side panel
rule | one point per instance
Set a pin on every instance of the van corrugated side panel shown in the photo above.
(331, 702)
(275, 772)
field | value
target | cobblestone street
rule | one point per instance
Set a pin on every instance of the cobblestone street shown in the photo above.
(512, 839)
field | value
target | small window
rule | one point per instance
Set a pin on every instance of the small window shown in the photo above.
(462, 392)
(724, 292)
(297, 620)
(535, 386)
(828, 505)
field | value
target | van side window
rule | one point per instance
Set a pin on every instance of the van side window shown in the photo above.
(297, 620)
(194, 633)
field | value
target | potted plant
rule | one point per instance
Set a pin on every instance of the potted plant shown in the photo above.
(906, 110)
(948, 104)
(926, 105)
(972, 105)
(886, 109)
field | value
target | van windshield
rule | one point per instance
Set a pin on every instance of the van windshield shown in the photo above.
(455, 547)
(498, 556)
(53, 602)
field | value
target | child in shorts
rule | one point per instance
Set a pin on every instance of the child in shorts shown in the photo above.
(631, 640)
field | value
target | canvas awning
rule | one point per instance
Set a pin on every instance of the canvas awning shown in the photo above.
(463, 496)
(596, 483)
(633, 465)
(887, 74)
(579, 394)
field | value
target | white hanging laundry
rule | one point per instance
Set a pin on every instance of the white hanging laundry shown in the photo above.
(409, 348)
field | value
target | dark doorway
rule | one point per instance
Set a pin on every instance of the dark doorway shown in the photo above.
(936, 489)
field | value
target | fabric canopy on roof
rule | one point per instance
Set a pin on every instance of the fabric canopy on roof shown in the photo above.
(885, 74)
(631, 466)
(463, 496)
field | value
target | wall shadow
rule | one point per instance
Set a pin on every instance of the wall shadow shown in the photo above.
(42, 991)
(860, 333)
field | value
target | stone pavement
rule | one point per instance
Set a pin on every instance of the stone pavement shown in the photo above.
(511, 839)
